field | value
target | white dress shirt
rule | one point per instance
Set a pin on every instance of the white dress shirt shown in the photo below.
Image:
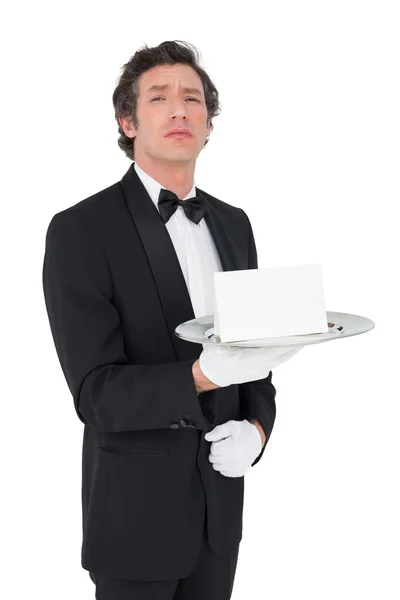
(194, 247)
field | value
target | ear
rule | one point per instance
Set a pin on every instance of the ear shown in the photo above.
(127, 127)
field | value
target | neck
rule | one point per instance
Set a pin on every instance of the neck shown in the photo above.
(178, 178)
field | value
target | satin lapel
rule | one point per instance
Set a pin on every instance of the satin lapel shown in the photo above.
(163, 259)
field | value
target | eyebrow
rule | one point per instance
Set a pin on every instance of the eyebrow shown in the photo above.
(187, 90)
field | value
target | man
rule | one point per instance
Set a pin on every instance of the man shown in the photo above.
(164, 447)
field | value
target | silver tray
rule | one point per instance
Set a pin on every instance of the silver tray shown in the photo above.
(341, 325)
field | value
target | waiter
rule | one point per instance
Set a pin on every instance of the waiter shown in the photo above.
(167, 437)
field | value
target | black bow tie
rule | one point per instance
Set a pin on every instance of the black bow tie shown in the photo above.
(195, 208)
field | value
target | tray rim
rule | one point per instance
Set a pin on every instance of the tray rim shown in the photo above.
(304, 340)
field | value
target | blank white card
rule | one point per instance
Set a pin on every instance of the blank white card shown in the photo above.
(260, 303)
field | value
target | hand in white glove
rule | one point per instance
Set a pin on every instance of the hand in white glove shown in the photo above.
(225, 365)
(235, 446)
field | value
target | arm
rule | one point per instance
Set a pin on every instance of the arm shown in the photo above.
(202, 383)
(110, 393)
(257, 398)
(261, 431)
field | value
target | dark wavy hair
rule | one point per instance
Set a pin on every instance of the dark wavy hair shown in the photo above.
(126, 93)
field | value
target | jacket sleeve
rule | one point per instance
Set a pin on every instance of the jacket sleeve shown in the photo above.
(109, 393)
(257, 398)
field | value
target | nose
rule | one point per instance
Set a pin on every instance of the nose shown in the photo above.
(179, 108)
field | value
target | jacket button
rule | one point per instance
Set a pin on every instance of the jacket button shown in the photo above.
(174, 426)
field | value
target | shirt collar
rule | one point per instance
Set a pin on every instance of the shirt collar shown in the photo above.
(153, 187)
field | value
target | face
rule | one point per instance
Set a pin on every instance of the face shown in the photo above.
(161, 110)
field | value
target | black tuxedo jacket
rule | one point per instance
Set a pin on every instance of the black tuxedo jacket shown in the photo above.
(114, 294)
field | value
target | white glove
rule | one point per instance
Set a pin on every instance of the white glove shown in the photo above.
(225, 365)
(235, 446)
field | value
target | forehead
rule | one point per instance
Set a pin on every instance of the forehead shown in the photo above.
(166, 77)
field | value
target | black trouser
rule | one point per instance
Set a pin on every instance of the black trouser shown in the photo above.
(211, 579)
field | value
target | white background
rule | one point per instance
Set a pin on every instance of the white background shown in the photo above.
(307, 143)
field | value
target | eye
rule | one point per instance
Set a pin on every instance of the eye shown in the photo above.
(190, 97)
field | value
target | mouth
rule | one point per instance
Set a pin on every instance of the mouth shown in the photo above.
(179, 135)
